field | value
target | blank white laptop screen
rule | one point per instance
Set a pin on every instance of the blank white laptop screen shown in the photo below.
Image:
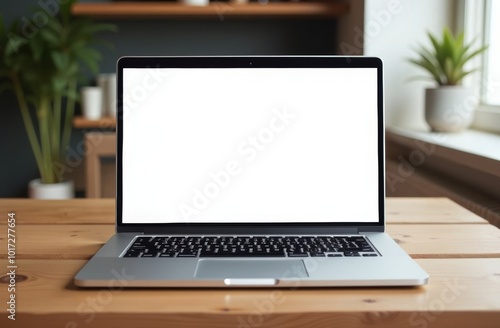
(249, 145)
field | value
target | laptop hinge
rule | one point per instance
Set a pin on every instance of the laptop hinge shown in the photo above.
(363, 230)
(129, 230)
(256, 231)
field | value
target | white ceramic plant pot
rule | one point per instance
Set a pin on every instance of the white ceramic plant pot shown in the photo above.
(449, 108)
(195, 2)
(61, 190)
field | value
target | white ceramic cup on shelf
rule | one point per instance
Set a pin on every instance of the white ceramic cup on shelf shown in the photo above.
(111, 95)
(107, 82)
(102, 82)
(195, 2)
(91, 102)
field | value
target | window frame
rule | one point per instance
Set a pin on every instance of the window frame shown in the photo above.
(474, 21)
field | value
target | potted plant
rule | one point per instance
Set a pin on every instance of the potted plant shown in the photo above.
(450, 106)
(43, 69)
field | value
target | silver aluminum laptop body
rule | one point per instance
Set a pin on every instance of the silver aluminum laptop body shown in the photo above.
(283, 146)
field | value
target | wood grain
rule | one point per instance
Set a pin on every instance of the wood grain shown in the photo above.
(447, 240)
(420, 241)
(101, 145)
(461, 293)
(158, 9)
(102, 211)
(104, 123)
(369, 319)
(58, 241)
(428, 210)
(74, 211)
(457, 249)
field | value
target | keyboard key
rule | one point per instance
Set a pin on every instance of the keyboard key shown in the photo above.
(186, 255)
(351, 254)
(132, 254)
(370, 254)
(167, 255)
(148, 255)
(241, 255)
(291, 254)
(248, 246)
(317, 254)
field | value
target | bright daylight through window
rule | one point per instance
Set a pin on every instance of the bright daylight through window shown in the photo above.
(491, 66)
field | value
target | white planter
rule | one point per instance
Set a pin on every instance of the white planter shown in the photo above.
(449, 108)
(91, 103)
(195, 2)
(61, 190)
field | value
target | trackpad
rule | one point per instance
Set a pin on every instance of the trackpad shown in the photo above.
(232, 268)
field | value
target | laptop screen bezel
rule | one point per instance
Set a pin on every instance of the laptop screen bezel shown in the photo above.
(250, 62)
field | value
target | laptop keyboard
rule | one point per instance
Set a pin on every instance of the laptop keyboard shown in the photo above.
(250, 246)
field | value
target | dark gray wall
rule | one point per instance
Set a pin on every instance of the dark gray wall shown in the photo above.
(210, 36)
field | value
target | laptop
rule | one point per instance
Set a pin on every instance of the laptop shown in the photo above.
(260, 171)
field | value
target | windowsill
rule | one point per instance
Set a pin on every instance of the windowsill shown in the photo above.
(477, 149)
(464, 167)
(487, 118)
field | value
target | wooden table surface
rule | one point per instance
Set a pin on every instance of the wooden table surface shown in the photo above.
(459, 250)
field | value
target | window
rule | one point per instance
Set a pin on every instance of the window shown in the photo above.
(491, 64)
(479, 24)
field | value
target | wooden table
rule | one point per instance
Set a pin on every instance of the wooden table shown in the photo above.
(459, 250)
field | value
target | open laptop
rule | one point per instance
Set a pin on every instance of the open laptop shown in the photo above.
(250, 172)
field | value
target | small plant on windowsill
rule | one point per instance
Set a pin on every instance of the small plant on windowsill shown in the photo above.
(42, 70)
(449, 107)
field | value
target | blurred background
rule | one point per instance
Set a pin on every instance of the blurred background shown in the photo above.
(462, 165)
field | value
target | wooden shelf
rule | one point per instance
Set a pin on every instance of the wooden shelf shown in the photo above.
(215, 9)
(104, 123)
